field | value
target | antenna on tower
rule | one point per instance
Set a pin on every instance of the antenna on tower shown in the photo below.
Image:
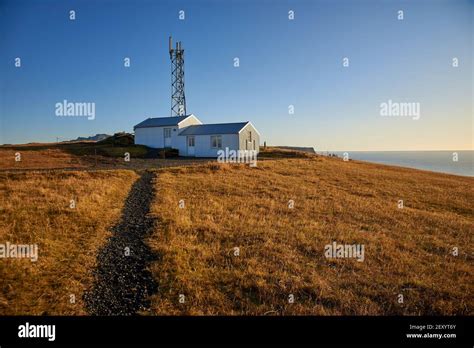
(178, 99)
(171, 47)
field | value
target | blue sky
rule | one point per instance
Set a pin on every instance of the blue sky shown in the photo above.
(282, 63)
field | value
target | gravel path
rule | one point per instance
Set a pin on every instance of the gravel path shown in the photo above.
(123, 283)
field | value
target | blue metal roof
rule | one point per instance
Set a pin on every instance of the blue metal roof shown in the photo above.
(161, 121)
(218, 128)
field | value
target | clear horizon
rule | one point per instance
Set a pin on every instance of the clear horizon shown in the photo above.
(283, 63)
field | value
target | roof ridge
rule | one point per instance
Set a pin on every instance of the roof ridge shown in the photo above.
(170, 116)
(211, 124)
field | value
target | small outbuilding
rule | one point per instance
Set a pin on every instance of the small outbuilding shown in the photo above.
(190, 137)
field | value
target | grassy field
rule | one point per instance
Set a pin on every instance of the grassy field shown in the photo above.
(67, 155)
(408, 251)
(32, 157)
(87, 155)
(35, 208)
(245, 241)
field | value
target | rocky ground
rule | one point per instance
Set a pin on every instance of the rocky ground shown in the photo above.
(122, 281)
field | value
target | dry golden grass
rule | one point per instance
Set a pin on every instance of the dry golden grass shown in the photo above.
(43, 158)
(81, 155)
(35, 208)
(272, 152)
(407, 251)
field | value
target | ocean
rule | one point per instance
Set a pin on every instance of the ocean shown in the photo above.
(436, 161)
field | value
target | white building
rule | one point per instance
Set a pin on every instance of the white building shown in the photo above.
(192, 138)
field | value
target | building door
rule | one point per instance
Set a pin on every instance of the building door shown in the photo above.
(167, 136)
(191, 143)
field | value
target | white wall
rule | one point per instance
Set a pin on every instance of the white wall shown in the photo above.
(151, 137)
(244, 137)
(189, 121)
(179, 142)
(154, 136)
(203, 144)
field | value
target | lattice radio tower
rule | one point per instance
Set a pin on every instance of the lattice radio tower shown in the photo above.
(178, 100)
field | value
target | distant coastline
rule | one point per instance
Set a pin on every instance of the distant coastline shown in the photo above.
(436, 161)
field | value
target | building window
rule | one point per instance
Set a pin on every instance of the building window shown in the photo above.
(191, 141)
(216, 141)
(167, 132)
